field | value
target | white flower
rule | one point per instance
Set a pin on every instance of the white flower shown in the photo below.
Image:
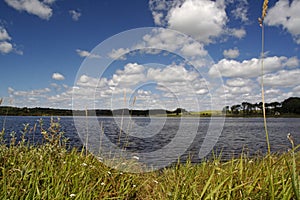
(291, 139)
(134, 186)
(135, 157)
(84, 164)
(72, 195)
(155, 181)
(102, 183)
(99, 158)
(109, 172)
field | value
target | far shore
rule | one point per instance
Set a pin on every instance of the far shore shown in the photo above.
(124, 112)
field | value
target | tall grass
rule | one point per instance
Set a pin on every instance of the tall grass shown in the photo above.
(50, 171)
(293, 171)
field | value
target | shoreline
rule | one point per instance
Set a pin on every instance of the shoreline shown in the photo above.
(169, 116)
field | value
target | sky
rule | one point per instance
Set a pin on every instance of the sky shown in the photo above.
(109, 54)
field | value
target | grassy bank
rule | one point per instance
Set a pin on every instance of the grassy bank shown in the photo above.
(50, 171)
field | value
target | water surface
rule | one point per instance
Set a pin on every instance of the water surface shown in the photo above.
(151, 134)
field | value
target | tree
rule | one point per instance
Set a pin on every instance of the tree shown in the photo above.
(235, 109)
(178, 110)
(225, 110)
(291, 105)
(274, 106)
(260, 106)
(244, 106)
(247, 107)
(251, 107)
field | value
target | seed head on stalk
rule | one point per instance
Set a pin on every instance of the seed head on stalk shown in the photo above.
(264, 13)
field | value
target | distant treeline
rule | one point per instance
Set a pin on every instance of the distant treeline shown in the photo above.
(15, 111)
(127, 112)
(288, 106)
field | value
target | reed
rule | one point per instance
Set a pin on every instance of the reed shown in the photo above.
(291, 171)
(261, 23)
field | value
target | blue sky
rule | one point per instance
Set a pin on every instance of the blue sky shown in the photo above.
(46, 48)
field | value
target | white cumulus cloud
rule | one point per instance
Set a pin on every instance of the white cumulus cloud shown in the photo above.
(239, 33)
(286, 14)
(231, 53)
(238, 82)
(75, 15)
(193, 49)
(5, 47)
(58, 76)
(4, 34)
(202, 19)
(132, 74)
(84, 53)
(283, 78)
(41, 9)
(292, 62)
(171, 74)
(248, 68)
(118, 53)
(241, 10)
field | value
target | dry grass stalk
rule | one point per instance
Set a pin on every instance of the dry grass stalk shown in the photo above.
(264, 12)
(265, 8)
(270, 174)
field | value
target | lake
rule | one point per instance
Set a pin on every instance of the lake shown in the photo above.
(184, 137)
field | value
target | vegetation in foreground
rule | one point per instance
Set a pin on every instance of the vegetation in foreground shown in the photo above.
(50, 171)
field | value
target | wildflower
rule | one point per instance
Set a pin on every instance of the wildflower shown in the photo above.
(135, 157)
(102, 183)
(109, 172)
(100, 158)
(155, 181)
(121, 173)
(72, 195)
(291, 139)
(133, 185)
(84, 164)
